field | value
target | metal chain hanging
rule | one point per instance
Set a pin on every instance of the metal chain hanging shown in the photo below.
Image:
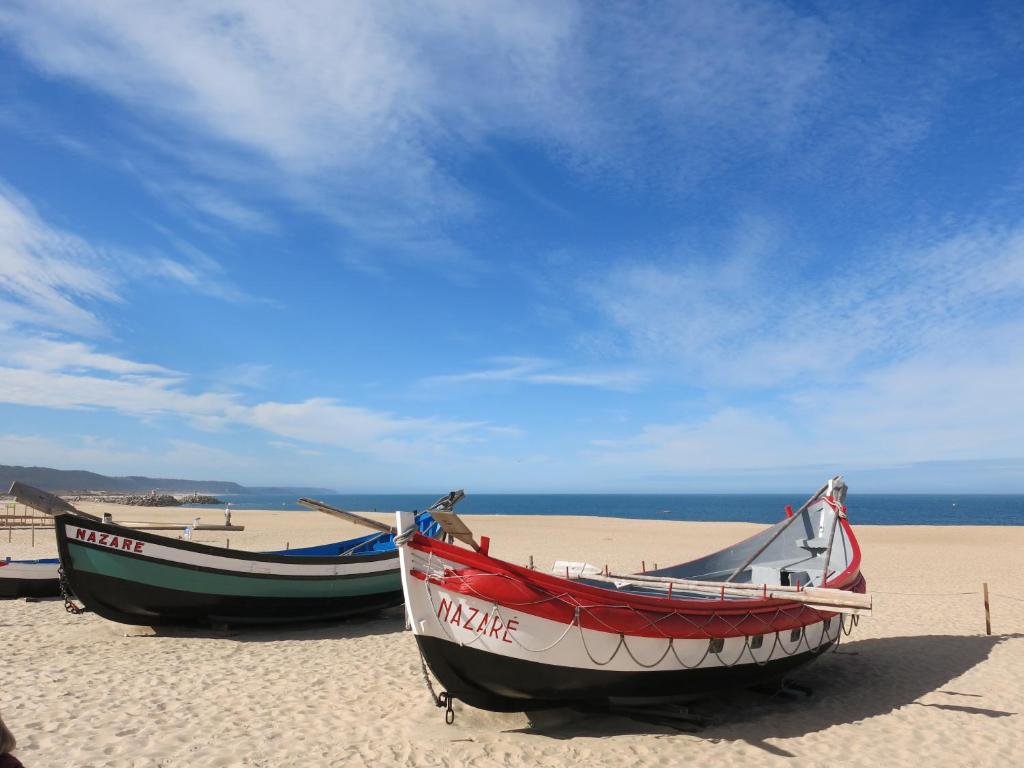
(65, 593)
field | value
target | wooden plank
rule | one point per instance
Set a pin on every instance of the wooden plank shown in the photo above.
(44, 502)
(453, 525)
(144, 526)
(988, 615)
(836, 600)
(351, 517)
(826, 594)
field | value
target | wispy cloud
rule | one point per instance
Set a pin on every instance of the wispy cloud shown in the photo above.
(47, 354)
(368, 113)
(321, 421)
(535, 370)
(72, 451)
(747, 321)
(912, 357)
(53, 279)
(47, 277)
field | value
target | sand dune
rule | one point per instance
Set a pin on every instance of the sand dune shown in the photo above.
(916, 684)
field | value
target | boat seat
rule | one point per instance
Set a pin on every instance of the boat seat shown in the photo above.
(765, 574)
(795, 578)
(813, 544)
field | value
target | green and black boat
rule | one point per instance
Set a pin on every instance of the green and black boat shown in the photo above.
(135, 577)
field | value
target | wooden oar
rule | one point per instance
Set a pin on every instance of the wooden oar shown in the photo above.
(351, 517)
(700, 583)
(44, 502)
(445, 503)
(828, 595)
(837, 600)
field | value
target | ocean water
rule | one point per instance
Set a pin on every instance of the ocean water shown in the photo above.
(864, 509)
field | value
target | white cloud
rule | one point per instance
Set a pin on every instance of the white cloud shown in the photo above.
(369, 112)
(913, 356)
(745, 321)
(180, 458)
(534, 370)
(46, 354)
(48, 275)
(961, 405)
(52, 279)
(321, 421)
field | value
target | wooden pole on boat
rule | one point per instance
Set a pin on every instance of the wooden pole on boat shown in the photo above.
(831, 538)
(531, 562)
(774, 536)
(988, 616)
(839, 601)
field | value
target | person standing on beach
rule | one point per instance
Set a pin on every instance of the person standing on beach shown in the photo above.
(7, 745)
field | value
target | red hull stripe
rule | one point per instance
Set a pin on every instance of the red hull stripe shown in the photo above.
(537, 594)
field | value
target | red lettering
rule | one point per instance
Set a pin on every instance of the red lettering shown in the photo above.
(79, 533)
(512, 625)
(469, 621)
(126, 544)
(446, 606)
(496, 626)
(104, 537)
(482, 627)
(114, 542)
(138, 547)
(457, 616)
(92, 537)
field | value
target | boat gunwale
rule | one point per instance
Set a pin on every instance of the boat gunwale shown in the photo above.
(207, 549)
(850, 580)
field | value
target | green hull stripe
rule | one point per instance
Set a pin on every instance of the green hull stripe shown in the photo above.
(188, 580)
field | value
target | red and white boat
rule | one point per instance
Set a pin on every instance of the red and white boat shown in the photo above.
(504, 637)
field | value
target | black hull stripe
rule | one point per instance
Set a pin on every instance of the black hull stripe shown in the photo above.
(29, 588)
(504, 684)
(147, 605)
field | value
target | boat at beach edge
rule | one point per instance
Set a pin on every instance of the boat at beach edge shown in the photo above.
(504, 637)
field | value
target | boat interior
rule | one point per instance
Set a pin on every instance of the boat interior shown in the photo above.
(791, 553)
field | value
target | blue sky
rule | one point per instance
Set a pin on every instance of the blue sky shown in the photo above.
(515, 246)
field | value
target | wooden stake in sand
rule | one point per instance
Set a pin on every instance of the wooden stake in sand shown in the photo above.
(988, 616)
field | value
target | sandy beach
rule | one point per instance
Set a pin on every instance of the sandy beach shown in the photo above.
(918, 683)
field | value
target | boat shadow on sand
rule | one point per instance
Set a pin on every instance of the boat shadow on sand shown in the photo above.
(383, 622)
(861, 679)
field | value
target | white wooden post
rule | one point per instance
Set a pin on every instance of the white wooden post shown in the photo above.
(403, 522)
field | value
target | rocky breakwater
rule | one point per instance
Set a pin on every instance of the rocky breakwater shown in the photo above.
(144, 500)
(147, 499)
(198, 498)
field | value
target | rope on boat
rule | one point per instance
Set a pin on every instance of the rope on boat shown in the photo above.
(803, 643)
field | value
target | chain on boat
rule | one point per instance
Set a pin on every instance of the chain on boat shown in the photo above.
(65, 593)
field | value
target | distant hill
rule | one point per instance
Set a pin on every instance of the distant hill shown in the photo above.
(78, 481)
